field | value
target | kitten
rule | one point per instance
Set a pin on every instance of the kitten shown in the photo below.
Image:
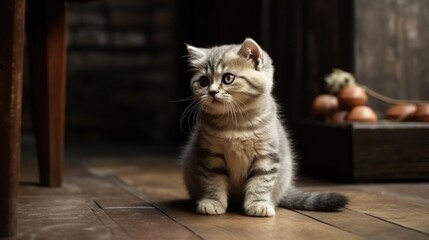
(240, 152)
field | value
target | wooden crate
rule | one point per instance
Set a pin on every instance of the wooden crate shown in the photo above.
(386, 151)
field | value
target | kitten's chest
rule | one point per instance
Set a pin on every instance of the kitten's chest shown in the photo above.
(239, 151)
(238, 157)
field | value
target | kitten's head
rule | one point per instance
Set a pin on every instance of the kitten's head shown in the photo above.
(230, 76)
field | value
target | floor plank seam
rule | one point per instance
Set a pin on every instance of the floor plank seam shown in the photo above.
(98, 205)
(120, 183)
(113, 220)
(184, 226)
(99, 208)
(385, 220)
(415, 199)
(137, 193)
(132, 207)
(318, 220)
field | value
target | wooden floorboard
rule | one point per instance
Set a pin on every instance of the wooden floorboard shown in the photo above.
(382, 205)
(370, 215)
(89, 207)
(142, 220)
(145, 198)
(416, 192)
(59, 217)
(406, 213)
(364, 225)
(233, 225)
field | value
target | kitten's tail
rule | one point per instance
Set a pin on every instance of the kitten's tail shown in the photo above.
(314, 201)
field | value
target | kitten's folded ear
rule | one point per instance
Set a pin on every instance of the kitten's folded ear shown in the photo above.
(250, 50)
(196, 55)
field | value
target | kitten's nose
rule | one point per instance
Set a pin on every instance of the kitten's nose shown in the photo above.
(213, 92)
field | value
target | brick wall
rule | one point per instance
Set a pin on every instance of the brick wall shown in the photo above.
(121, 71)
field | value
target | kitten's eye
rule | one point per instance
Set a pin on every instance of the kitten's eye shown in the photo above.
(204, 81)
(228, 78)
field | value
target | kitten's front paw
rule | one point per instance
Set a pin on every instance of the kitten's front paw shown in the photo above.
(260, 209)
(210, 207)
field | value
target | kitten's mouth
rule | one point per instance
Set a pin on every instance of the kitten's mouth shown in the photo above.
(216, 101)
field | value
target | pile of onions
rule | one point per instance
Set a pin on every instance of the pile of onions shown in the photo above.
(348, 105)
(347, 102)
(409, 112)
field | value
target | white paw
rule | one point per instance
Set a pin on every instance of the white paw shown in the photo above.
(210, 207)
(260, 209)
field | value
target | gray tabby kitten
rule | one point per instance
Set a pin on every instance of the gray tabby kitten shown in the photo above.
(240, 152)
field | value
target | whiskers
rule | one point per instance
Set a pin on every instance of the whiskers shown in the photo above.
(192, 113)
(232, 113)
(190, 98)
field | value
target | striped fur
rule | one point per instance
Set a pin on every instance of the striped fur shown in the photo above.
(239, 151)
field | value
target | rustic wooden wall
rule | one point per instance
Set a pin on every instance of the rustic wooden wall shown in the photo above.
(307, 40)
(385, 43)
(121, 72)
(391, 47)
(126, 62)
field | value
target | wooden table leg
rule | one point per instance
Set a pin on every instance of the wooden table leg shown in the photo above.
(46, 34)
(12, 14)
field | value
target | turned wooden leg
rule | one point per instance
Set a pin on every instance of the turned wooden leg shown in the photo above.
(12, 14)
(46, 34)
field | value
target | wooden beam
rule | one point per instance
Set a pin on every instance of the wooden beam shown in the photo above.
(47, 57)
(12, 18)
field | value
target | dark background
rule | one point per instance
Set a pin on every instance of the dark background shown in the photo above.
(126, 67)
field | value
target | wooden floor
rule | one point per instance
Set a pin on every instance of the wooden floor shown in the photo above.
(144, 198)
